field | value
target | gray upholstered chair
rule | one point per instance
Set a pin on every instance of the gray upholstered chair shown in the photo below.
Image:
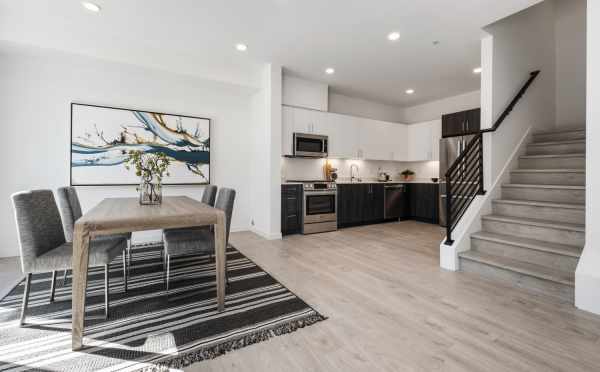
(197, 240)
(43, 245)
(209, 195)
(70, 211)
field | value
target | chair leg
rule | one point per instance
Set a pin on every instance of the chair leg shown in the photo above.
(106, 271)
(128, 256)
(168, 270)
(64, 281)
(125, 270)
(53, 286)
(163, 259)
(25, 299)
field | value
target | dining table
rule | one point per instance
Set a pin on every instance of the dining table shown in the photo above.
(122, 215)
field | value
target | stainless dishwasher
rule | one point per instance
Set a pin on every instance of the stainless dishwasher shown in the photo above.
(394, 201)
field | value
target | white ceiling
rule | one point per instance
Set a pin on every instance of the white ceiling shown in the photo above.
(305, 36)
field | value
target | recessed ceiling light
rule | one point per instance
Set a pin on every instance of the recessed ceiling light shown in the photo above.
(393, 36)
(410, 91)
(477, 70)
(91, 6)
(241, 47)
(330, 71)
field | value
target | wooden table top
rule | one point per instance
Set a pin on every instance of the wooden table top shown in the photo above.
(115, 215)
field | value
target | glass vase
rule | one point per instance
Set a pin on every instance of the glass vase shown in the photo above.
(150, 193)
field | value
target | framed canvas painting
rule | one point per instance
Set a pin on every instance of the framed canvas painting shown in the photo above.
(102, 137)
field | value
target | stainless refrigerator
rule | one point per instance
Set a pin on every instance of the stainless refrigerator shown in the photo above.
(450, 149)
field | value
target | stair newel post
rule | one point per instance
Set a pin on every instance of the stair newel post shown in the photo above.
(449, 240)
(481, 187)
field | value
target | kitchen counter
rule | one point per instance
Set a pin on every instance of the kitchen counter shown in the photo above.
(393, 182)
(370, 182)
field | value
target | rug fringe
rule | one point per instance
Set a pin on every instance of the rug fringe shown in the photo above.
(184, 360)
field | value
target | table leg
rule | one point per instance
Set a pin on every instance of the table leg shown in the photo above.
(220, 259)
(81, 241)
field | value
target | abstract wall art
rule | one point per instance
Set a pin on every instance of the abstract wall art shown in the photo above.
(101, 138)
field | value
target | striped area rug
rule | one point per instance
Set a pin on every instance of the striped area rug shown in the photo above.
(148, 330)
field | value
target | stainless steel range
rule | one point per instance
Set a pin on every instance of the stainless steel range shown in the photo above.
(319, 207)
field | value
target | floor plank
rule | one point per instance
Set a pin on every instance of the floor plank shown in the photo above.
(391, 308)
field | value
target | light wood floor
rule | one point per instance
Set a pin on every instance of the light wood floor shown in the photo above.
(391, 308)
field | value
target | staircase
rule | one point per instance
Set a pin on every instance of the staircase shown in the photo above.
(536, 232)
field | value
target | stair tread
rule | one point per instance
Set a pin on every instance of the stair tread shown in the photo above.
(566, 130)
(536, 222)
(559, 142)
(541, 203)
(526, 268)
(562, 249)
(549, 170)
(542, 186)
(554, 156)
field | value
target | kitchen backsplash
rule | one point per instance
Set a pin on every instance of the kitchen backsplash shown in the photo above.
(312, 169)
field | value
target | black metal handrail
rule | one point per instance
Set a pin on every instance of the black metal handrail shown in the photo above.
(464, 178)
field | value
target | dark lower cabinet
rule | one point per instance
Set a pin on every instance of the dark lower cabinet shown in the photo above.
(351, 201)
(424, 202)
(291, 209)
(361, 204)
(374, 205)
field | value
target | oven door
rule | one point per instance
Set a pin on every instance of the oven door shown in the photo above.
(310, 145)
(320, 206)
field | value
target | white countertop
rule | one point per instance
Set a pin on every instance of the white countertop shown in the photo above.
(370, 181)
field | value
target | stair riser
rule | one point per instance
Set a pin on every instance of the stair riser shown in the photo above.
(543, 213)
(553, 163)
(555, 137)
(569, 179)
(556, 290)
(546, 234)
(551, 260)
(541, 194)
(567, 148)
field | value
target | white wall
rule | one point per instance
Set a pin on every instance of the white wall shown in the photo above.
(570, 28)
(342, 104)
(39, 85)
(435, 109)
(587, 276)
(305, 93)
(522, 43)
(265, 169)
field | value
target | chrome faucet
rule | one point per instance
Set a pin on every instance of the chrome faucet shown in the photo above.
(352, 177)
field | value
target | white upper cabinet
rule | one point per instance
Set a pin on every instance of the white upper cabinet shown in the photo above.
(352, 137)
(380, 140)
(343, 136)
(287, 130)
(423, 141)
(309, 121)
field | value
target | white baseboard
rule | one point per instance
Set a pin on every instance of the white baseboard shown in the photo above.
(266, 235)
(481, 205)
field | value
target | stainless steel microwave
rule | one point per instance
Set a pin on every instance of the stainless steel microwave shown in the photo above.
(310, 145)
